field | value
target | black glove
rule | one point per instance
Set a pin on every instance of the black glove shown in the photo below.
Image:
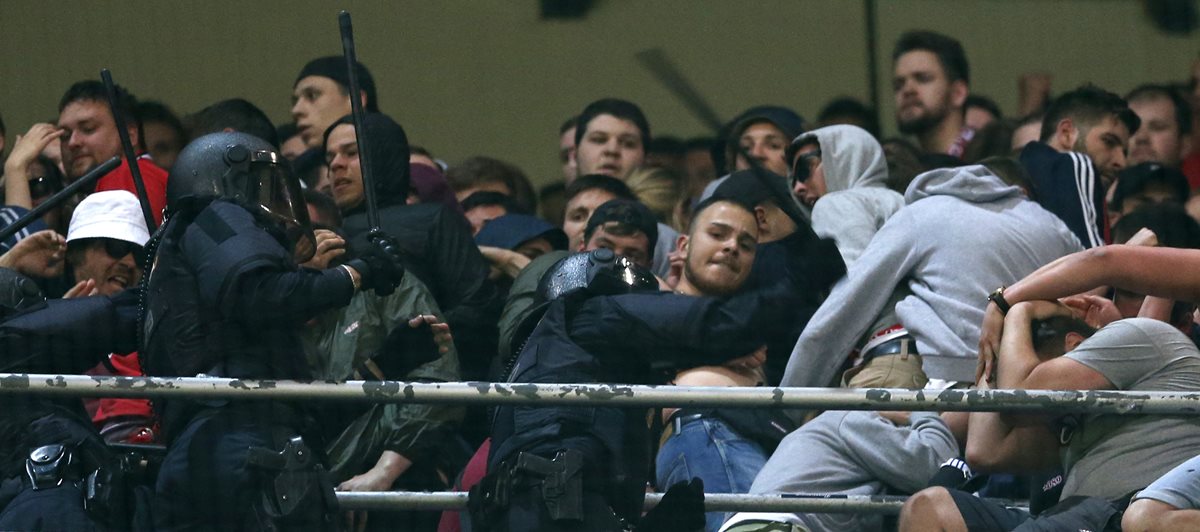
(405, 349)
(379, 264)
(681, 509)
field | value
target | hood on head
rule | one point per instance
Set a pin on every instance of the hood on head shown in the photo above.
(787, 120)
(389, 159)
(851, 157)
(975, 183)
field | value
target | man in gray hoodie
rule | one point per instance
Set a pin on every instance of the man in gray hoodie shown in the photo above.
(964, 232)
(842, 177)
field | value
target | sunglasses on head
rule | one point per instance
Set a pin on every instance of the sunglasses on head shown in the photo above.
(804, 166)
(118, 249)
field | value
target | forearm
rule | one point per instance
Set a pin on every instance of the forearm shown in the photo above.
(291, 295)
(1166, 272)
(16, 185)
(391, 465)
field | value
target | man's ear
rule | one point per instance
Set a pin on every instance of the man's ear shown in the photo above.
(1065, 134)
(134, 138)
(681, 243)
(958, 93)
(1185, 146)
(363, 98)
(760, 215)
(1071, 341)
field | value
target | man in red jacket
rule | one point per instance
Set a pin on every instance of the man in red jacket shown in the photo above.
(90, 137)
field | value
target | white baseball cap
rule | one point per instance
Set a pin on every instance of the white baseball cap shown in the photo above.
(109, 214)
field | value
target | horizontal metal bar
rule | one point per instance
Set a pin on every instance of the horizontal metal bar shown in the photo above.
(715, 502)
(483, 393)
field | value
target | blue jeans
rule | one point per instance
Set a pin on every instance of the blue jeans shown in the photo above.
(708, 448)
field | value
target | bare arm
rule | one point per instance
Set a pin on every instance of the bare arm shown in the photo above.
(997, 442)
(16, 168)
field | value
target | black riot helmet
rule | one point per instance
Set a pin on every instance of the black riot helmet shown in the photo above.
(248, 171)
(601, 272)
(598, 272)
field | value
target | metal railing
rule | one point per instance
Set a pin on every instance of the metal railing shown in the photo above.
(484, 393)
(632, 396)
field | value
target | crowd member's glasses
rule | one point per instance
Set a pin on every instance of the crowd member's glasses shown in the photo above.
(805, 164)
(118, 249)
(41, 187)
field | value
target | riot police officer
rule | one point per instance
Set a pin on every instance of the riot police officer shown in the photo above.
(225, 298)
(573, 468)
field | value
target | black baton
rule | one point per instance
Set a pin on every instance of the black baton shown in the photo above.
(127, 146)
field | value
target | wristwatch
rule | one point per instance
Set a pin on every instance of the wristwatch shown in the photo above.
(997, 297)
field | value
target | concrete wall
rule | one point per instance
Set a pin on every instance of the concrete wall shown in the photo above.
(490, 77)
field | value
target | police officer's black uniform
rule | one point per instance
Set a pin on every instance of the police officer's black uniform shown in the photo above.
(225, 298)
(587, 337)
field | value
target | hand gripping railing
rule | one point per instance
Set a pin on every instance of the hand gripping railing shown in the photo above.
(634, 396)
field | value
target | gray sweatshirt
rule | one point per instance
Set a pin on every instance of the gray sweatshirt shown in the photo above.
(963, 233)
(857, 201)
(853, 453)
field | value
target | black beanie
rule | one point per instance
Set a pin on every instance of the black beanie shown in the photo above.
(334, 67)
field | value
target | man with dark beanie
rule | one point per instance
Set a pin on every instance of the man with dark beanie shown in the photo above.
(321, 95)
(435, 242)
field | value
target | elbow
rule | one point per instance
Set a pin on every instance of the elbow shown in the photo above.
(984, 457)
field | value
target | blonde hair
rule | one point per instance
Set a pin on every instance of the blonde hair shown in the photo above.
(659, 189)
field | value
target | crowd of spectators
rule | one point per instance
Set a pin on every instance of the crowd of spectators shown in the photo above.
(1050, 250)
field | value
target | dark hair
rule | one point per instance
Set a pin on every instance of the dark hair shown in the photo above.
(419, 150)
(709, 202)
(603, 182)
(325, 206)
(155, 111)
(487, 197)
(667, 145)
(283, 132)
(948, 50)
(699, 143)
(1011, 172)
(90, 90)
(477, 170)
(1087, 106)
(1051, 332)
(903, 162)
(2, 130)
(838, 110)
(623, 109)
(1183, 109)
(1170, 223)
(623, 217)
(568, 124)
(985, 103)
(235, 114)
(992, 140)
(1134, 180)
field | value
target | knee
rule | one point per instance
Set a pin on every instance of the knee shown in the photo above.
(926, 508)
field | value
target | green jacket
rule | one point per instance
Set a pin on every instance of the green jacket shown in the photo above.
(341, 340)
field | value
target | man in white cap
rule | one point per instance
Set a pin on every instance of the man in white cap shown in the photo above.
(105, 243)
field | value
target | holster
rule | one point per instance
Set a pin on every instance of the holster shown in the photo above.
(294, 483)
(559, 482)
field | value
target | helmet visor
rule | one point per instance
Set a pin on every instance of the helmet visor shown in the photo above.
(279, 198)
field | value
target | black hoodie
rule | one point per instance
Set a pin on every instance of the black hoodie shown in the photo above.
(435, 244)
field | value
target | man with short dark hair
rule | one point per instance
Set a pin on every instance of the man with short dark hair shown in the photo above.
(610, 138)
(1105, 459)
(583, 196)
(1165, 135)
(980, 111)
(234, 114)
(90, 137)
(622, 225)
(321, 95)
(931, 81)
(1085, 131)
(164, 135)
